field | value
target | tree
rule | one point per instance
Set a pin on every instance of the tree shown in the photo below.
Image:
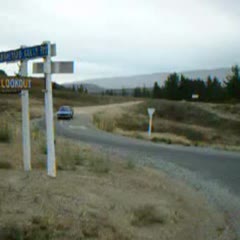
(156, 91)
(171, 87)
(109, 92)
(124, 92)
(146, 92)
(137, 92)
(81, 89)
(3, 73)
(185, 88)
(233, 83)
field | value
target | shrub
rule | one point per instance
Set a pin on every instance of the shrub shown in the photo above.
(5, 165)
(163, 140)
(130, 165)
(5, 132)
(148, 214)
(98, 164)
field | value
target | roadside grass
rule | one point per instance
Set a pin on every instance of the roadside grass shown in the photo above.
(190, 113)
(103, 122)
(95, 196)
(177, 122)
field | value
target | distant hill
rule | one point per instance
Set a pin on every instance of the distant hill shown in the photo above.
(98, 85)
(149, 79)
(92, 88)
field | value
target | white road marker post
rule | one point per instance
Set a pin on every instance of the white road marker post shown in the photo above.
(51, 158)
(25, 120)
(150, 113)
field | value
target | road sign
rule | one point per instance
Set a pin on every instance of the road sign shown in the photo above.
(16, 84)
(27, 53)
(195, 96)
(151, 111)
(56, 67)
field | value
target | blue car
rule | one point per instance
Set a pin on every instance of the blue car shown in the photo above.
(65, 112)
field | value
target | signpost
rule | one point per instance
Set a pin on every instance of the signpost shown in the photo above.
(150, 113)
(49, 68)
(25, 119)
(10, 85)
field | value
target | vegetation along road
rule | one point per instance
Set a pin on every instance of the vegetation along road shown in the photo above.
(219, 166)
(213, 172)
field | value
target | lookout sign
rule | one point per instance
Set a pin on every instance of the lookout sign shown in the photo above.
(14, 85)
(46, 50)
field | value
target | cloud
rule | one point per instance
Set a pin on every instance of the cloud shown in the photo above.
(127, 36)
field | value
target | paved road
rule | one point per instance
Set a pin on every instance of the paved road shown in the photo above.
(220, 166)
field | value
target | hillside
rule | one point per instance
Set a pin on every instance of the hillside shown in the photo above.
(149, 79)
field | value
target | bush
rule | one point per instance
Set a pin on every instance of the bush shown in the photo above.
(148, 214)
(163, 140)
(5, 165)
(130, 165)
(99, 165)
(5, 132)
(38, 230)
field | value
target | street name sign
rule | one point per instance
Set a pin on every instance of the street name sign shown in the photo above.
(27, 53)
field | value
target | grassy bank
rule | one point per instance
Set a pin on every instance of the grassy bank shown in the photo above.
(69, 97)
(186, 123)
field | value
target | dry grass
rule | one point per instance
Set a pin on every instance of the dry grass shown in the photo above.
(174, 122)
(148, 215)
(80, 204)
(104, 122)
(96, 196)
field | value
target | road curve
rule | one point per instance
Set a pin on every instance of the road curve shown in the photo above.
(215, 165)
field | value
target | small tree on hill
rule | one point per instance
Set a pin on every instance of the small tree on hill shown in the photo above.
(233, 83)
(156, 91)
(3, 73)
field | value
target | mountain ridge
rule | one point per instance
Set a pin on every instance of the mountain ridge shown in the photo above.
(133, 81)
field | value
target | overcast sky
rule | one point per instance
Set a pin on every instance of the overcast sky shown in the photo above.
(122, 37)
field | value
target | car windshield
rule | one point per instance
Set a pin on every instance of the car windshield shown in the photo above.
(64, 108)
